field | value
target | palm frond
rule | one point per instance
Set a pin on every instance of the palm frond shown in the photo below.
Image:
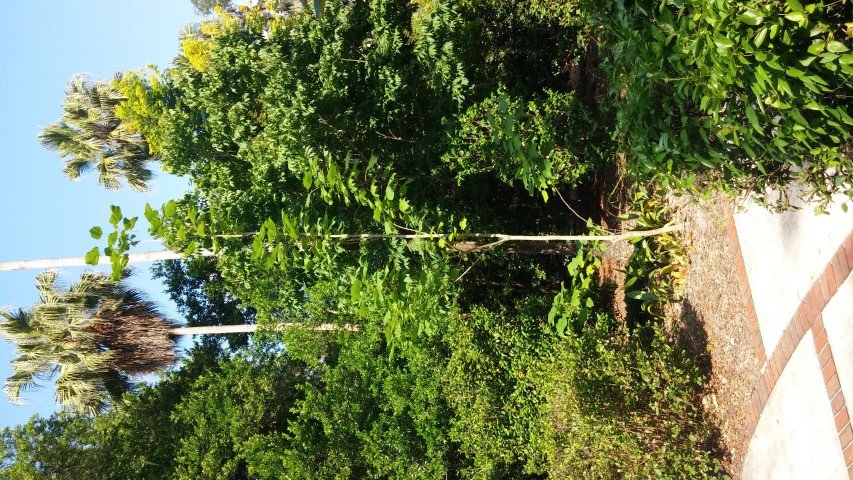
(17, 326)
(80, 390)
(17, 382)
(89, 136)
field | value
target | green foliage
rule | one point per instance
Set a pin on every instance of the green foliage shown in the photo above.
(632, 395)
(497, 384)
(526, 45)
(658, 265)
(138, 437)
(252, 398)
(371, 415)
(564, 13)
(202, 298)
(118, 242)
(144, 104)
(751, 95)
(63, 447)
(571, 307)
(547, 141)
(298, 130)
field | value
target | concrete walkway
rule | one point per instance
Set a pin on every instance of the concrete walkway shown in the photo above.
(795, 274)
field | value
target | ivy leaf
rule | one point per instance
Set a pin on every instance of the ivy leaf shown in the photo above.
(96, 232)
(751, 17)
(760, 36)
(794, 72)
(463, 224)
(116, 215)
(169, 209)
(288, 227)
(92, 256)
(191, 248)
(562, 323)
(150, 213)
(836, 47)
(355, 290)
(116, 276)
(817, 47)
(723, 43)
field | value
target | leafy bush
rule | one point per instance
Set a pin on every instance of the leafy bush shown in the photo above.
(368, 414)
(750, 95)
(552, 139)
(495, 384)
(631, 395)
(658, 265)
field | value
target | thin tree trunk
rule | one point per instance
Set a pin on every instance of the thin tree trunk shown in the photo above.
(61, 262)
(249, 328)
(500, 238)
(513, 238)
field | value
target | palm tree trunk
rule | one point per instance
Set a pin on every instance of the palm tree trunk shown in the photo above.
(47, 263)
(249, 328)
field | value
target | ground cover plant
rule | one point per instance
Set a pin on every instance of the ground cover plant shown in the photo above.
(351, 165)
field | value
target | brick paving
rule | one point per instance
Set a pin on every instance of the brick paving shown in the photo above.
(807, 321)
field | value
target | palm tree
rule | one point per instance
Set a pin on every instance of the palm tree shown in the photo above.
(90, 135)
(96, 335)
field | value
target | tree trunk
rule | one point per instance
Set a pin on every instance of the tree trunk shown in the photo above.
(61, 262)
(466, 244)
(247, 328)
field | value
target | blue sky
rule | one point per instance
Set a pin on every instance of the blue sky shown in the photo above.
(42, 44)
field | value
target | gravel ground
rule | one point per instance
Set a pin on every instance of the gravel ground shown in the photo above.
(714, 325)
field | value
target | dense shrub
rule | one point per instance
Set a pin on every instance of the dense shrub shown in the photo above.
(631, 394)
(549, 140)
(749, 95)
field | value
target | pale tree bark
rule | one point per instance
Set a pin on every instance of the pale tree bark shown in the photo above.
(467, 242)
(47, 263)
(250, 328)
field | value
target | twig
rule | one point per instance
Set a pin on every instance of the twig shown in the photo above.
(569, 207)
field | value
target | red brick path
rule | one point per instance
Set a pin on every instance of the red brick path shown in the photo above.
(807, 318)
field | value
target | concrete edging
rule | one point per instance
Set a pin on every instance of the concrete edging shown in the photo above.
(806, 319)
